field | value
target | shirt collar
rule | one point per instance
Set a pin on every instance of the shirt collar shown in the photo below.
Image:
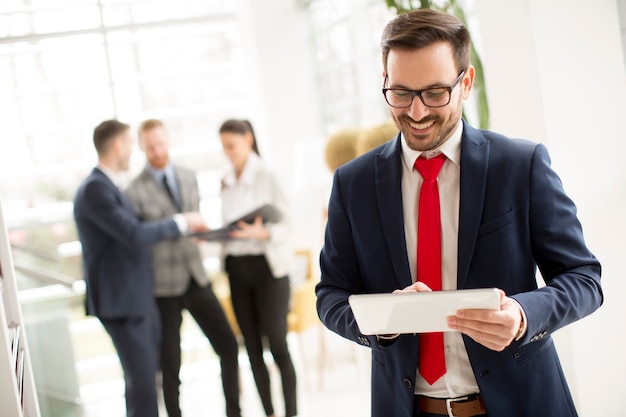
(248, 176)
(158, 173)
(451, 148)
(115, 178)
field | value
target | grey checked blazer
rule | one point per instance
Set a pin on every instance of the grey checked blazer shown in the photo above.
(174, 261)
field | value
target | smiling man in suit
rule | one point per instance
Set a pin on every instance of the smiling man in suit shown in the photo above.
(117, 267)
(160, 191)
(444, 206)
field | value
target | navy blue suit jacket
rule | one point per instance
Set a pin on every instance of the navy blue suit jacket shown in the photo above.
(514, 216)
(116, 249)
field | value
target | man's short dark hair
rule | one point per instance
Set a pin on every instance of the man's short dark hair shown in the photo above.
(105, 132)
(423, 27)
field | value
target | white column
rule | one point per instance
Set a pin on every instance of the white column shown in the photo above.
(290, 131)
(555, 74)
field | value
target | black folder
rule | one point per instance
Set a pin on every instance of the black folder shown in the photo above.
(268, 212)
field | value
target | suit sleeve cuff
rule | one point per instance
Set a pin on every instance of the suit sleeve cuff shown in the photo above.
(523, 325)
(181, 222)
(386, 340)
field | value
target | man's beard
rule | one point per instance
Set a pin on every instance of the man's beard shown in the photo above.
(418, 142)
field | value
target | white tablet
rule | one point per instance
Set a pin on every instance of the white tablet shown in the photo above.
(420, 312)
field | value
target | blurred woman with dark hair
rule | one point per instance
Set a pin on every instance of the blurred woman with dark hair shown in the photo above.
(257, 260)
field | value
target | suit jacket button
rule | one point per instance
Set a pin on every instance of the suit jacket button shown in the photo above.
(407, 383)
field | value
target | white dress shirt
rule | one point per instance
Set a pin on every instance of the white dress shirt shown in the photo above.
(459, 379)
(238, 199)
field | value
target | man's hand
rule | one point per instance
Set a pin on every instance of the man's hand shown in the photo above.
(195, 222)
(386, 339)
(416, 287)
(492, 329)
(255, 230)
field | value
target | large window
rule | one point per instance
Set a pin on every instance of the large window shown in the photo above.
(66, 65)
(346, 37)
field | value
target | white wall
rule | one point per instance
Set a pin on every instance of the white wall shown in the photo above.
(290, 134)
(555, 74)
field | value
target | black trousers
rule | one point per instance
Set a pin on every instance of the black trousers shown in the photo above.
(261, 303)
(136, 341)
(206, 310)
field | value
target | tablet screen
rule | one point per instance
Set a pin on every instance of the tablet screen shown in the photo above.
(419, 312)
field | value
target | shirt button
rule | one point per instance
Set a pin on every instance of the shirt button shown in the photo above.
(407, 383)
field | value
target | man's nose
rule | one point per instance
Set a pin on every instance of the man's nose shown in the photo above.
(417, 110)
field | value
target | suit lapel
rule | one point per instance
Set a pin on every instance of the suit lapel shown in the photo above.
(388, 176)
(184, 190)
(474, 163)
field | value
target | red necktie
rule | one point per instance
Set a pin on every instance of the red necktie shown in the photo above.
(432, 364)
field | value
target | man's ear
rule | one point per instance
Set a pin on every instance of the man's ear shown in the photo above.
(116, 145)
(468, 81)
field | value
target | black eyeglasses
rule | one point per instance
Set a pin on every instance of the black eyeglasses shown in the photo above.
(431, 97)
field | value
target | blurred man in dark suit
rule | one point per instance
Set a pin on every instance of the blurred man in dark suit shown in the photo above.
(117, 264)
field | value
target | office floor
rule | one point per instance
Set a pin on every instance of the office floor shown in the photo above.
(335, 384)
